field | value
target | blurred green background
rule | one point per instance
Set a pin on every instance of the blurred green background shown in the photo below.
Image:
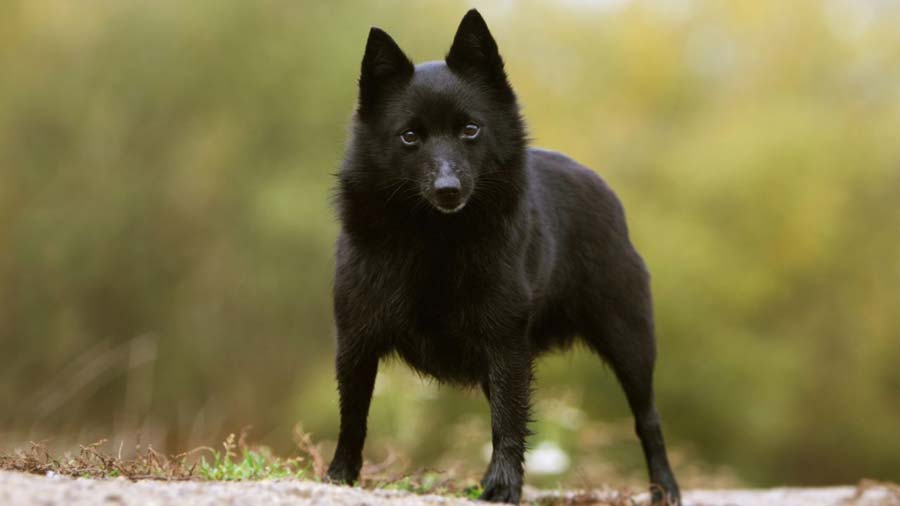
(166, 233)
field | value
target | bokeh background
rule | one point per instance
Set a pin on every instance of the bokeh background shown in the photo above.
(166, 233)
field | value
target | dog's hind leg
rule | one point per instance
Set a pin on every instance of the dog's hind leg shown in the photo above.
(627, 343)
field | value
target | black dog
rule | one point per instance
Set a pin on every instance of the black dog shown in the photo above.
(467, 254)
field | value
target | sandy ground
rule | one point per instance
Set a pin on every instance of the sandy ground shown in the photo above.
(26, 489)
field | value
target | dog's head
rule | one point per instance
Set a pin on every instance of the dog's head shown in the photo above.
(440, 131)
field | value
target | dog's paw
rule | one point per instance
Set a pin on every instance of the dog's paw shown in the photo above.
(667, 495)
(342, 474)
(502, 492)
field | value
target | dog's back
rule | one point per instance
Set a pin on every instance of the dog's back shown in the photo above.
(585, 263)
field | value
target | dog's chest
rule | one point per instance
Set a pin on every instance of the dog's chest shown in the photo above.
(440, 309)
(445, 356)
(443, 338)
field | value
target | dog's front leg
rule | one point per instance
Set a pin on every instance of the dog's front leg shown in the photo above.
(509, 390)
(356, 371)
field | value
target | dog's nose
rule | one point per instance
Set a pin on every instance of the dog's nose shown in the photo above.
(447, 187)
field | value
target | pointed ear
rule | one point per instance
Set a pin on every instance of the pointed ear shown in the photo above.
(474, 51)
(383, 65)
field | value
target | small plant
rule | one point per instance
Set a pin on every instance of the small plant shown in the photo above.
(473, 492)
(429, 482)
(254, 464)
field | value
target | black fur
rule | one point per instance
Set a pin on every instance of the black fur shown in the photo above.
(470, 255)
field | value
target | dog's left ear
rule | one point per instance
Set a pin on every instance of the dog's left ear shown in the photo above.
(474, 52)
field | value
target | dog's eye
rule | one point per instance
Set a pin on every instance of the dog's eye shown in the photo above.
(409, 138)
(471, 131)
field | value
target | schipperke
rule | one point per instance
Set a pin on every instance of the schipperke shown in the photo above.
(467, 254)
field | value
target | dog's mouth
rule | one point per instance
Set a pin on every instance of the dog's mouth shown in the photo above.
(450, 210)
(449, 203)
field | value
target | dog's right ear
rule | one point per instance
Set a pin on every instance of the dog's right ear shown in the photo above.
(383, 65)
(474, 52)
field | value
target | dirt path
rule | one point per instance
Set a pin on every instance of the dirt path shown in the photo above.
(26, 489)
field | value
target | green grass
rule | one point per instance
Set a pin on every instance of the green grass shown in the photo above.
(253, 464)
(431, 483)
(473, 492)
(234, 461)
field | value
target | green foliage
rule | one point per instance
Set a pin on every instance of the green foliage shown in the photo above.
(433, 483)
(254, 464)
(473, 492)
(424, 486)
(166, 233)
